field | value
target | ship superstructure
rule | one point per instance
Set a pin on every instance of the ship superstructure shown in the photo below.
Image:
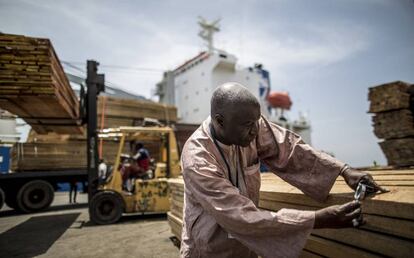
(190, 86)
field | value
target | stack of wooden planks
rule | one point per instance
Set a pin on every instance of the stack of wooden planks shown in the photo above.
(175, 215)
(393, 107)
(389, 230)
(129, 112)
(53, 151)
(33, 85)
(67, 153)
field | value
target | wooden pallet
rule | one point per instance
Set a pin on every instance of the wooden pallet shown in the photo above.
(389, 229)
(33, 85)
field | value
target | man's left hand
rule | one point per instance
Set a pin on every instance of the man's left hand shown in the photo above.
(353, 177)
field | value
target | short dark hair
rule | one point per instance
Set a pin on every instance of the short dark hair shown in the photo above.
(139, 145)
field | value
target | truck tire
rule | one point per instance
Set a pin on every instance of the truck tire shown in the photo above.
(2, 198)
(35, 196)
(106, 207)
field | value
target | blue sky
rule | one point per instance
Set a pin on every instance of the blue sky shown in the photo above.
(324, 53)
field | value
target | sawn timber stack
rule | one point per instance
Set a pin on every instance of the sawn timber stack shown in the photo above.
(117, 112)
(389, 230)
(54, 151)
(33, 85)
(393, 107)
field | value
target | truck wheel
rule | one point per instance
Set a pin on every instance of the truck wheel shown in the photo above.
(2, 198)
(35, 196)
(106, 207)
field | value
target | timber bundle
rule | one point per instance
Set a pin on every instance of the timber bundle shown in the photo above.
(117, 112)
(393, 107)
(60, 152)
(33, 85)
(389, 228)
(68, 151)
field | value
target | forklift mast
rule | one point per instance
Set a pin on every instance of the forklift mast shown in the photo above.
(95, 83)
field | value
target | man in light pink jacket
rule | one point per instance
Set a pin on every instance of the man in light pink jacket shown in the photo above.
(221, 163)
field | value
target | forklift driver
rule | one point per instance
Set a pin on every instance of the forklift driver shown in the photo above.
(142, 157)
(135, 167)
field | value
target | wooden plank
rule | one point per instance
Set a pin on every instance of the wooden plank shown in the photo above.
(374, 242)
(331, 248)
(391, 226)
(309, 254)
(399, 202)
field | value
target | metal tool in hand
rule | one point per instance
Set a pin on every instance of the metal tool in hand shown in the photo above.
(360, 194)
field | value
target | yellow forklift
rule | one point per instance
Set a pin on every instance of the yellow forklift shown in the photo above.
(149, 194)
(107, 197)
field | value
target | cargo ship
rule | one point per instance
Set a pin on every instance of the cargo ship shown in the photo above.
(190, 86)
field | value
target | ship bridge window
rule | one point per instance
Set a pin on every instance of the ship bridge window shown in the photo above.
(223, 56)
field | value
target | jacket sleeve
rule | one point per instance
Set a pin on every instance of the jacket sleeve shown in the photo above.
(286, 155)
(262, 231)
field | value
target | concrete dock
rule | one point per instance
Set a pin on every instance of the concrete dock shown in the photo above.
(64, 230)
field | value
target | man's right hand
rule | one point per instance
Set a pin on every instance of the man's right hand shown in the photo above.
(338, 216)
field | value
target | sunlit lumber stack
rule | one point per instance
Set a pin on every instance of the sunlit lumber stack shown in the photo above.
(389, 230)
(390, 217)
(33, 85)
(115, 112)
(130, 112)
(57, 151)
(393, 107)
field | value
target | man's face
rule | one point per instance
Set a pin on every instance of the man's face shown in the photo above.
(240, 125)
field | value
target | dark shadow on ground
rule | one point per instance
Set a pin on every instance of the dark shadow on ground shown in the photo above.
(34, 236)
(134, 218)
(8, 213)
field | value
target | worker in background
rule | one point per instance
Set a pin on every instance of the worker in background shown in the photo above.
(220, 164)
(102, 171)
(136, 169)
(142, 157)
(73, 190)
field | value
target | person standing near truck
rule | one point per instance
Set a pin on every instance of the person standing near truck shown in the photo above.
(73, 190)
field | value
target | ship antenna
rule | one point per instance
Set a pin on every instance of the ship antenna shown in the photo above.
(207, 31)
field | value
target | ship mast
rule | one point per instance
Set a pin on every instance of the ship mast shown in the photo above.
(207, 31)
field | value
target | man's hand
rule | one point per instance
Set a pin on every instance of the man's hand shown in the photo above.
(353, 177)
(338, 216)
